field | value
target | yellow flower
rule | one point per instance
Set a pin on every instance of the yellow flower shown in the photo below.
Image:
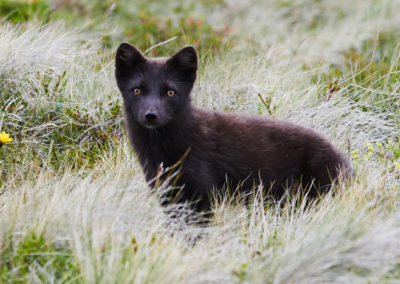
(5, 138)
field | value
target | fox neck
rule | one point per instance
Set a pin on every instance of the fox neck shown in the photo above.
(166, 144)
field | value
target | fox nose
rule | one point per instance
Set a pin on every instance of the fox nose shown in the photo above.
(150, 115)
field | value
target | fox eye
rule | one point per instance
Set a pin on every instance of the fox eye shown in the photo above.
(137, 91)
(170, 93)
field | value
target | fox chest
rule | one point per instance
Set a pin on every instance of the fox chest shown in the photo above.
(156, 158)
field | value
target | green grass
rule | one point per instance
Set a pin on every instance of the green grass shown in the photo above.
(74, 204)
(33, 257)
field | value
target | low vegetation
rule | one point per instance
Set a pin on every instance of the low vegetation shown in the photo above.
(74, 204)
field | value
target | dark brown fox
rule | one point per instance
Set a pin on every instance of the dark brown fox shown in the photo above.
(214, 148)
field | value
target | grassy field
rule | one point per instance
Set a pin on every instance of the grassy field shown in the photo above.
(74, 204)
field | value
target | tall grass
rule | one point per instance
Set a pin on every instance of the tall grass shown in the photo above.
(74, 203)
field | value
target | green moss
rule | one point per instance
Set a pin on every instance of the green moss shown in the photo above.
(17, 11)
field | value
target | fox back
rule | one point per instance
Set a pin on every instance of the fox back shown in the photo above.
(214, 150)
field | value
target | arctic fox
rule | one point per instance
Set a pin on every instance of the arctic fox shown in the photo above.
(213, 148)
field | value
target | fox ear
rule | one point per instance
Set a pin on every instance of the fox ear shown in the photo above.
(186, 58)
(128, 55)
(184, 63)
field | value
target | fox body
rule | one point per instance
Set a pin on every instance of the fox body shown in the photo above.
(214, 148)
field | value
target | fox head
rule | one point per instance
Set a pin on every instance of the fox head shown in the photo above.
(156, 91)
